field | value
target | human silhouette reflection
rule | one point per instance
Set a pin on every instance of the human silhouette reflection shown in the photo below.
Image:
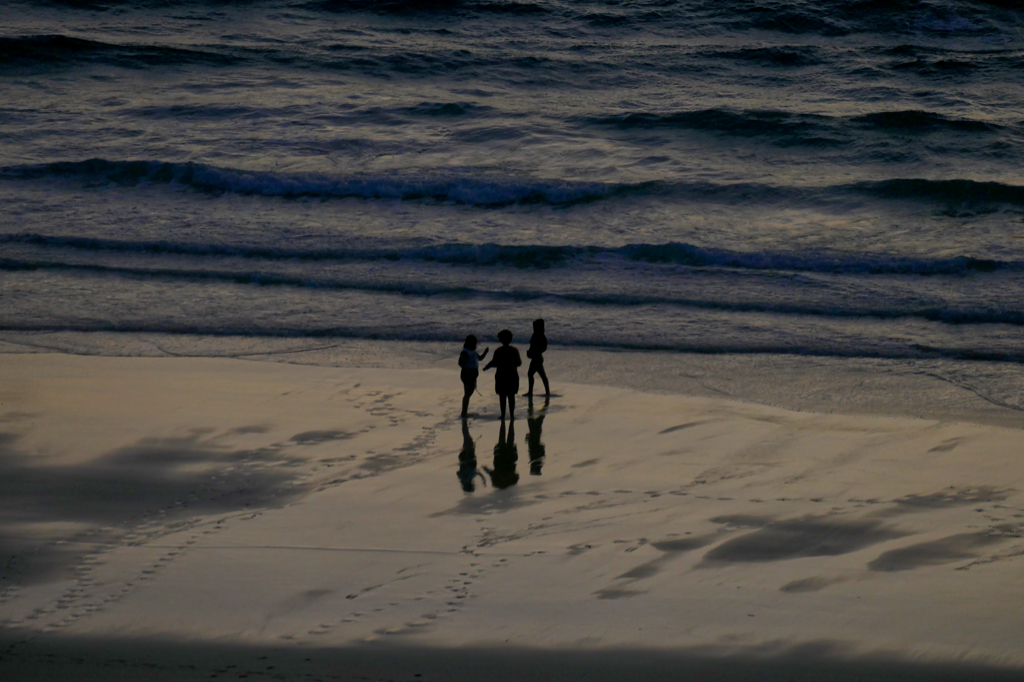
(506, 454)
(535, 423)
(467, 461)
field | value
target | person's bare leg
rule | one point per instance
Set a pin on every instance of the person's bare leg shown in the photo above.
(529, 379)
(511, 406)
(502, 399)
(465, 400)
(544, 378)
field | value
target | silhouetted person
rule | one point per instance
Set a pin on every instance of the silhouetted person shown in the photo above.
(506, 378)
(535, 423)
(538, 344)
(467, 461)
(469, 361)
(506, 454)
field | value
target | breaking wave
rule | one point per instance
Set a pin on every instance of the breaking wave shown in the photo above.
(541, 256)
(478, 189)
(442, 187)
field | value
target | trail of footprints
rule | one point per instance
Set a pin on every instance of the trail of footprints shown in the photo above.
(454, 594)
(458, 590)
(420, 448)
(88, 595)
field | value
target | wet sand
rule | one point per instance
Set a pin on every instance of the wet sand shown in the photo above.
(184, 515)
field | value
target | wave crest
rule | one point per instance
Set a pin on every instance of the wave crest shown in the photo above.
(442, 187)
(795, 55)
(427, 6)
(473, 188)
(541, 256)
(920, 121)
(790, 129)
(949, 192)
(62, 49)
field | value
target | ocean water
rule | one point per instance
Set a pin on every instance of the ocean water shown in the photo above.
(831, 178)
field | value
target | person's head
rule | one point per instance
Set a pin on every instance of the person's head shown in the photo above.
(505, 336)
(471, 342)
(538, 326)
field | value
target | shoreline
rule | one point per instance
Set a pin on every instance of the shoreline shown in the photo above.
(979, 392)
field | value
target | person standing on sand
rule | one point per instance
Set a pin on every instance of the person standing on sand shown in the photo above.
(506, 378)
(469, 361)
(538, 344)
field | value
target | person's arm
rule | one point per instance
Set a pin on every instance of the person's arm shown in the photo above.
(483, 355)
(463, 359)
(519, 359)
(491, 363)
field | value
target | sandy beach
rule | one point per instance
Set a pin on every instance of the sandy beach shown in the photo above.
(770, 254)
(188, 518)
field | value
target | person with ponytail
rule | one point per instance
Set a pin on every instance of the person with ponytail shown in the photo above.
(469, 361)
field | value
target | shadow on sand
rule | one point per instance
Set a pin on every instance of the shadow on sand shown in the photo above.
(95, 659)
(89, 505)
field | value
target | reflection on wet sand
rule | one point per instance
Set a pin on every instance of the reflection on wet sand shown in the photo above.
(535, 424)
(506, 454)
(467, 461)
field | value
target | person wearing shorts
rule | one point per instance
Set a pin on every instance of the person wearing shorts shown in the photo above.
(538, 344)
(506, 379)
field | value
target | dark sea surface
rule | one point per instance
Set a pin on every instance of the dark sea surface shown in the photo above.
(832, 178)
